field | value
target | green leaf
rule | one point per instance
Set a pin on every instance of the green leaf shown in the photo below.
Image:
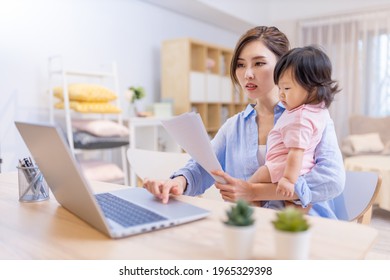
(139, 93)
(240, 214)
(291, 219)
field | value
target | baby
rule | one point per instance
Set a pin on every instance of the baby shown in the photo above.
(306, 89)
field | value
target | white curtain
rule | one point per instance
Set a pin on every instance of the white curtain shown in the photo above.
(359, 48)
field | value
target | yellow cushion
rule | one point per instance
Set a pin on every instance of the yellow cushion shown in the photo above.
(86, 93)
(90, 107)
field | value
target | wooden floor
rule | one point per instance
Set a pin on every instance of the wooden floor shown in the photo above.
(381, 248)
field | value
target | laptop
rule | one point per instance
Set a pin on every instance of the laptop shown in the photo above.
(118, 213)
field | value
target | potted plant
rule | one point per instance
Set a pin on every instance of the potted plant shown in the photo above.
(133, 95)
(292, 234)
(239, 231)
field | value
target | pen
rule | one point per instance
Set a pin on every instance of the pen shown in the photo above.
(42, 188)
(31, 184)
(33, 177)
(31, 174)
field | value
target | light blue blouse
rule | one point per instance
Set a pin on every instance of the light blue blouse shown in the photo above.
(236, 145)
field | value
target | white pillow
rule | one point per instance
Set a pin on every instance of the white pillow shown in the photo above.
(370, 142)
(101, 128)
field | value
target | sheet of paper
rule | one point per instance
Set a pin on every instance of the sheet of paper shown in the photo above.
(189, 132)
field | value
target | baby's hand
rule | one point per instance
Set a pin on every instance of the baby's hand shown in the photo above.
(285, 188)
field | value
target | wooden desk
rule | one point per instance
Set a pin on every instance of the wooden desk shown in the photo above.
(45, 230)
(378, 164)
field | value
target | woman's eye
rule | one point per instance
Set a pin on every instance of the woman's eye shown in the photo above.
(240, 65)
(259, 63)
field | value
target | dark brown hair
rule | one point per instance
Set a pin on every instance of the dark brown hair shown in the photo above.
(275, 40)
(311, 68)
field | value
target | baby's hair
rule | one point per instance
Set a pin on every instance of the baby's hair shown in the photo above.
(311, 68)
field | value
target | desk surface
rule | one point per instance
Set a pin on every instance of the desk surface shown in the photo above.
(45, 230)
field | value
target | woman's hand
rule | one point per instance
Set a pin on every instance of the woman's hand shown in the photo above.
(162, 188)
(234, 189)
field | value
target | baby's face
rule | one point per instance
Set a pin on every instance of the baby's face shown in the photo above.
(291, 94)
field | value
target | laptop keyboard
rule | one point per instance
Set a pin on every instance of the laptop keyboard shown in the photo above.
(124, 212)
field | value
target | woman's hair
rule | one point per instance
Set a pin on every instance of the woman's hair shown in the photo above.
(311, 69)
(275, 40)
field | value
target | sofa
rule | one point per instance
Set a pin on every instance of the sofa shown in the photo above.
(367, 136)
(367, 148)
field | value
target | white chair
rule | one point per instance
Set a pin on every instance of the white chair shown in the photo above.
(355, 202)
(161, 165)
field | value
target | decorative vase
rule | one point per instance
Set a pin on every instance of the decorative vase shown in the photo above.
(132, 110)
(292, 245)
(239, 241)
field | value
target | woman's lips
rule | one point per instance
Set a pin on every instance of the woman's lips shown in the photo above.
(250, 86)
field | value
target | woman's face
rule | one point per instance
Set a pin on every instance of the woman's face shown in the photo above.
(255, 69)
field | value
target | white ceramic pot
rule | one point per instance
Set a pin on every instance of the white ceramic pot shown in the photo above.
(239, 241)
(292, 245)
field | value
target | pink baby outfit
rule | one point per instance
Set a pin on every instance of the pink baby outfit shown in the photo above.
(302, 128)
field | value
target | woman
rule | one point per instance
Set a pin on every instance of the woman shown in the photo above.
(240, 142)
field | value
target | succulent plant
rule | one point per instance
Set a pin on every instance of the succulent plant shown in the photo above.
(291, 219)
(240, 214)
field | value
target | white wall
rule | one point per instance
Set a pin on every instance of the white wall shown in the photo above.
(87, 33)
(285, 14)
(269, 12)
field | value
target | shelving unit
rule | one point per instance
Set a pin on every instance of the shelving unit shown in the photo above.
(57, 71)
(195, 75)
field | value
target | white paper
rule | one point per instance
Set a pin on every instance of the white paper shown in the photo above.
(189, 132)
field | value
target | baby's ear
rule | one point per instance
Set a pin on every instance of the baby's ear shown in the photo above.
(313, 97)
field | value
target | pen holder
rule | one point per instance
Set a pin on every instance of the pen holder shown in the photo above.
(32, 185)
